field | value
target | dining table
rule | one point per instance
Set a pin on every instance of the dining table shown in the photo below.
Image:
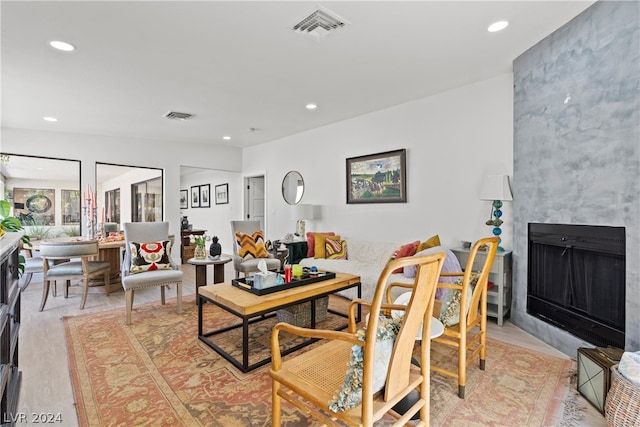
(108, 250)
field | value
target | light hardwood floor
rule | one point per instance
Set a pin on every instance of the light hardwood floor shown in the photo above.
(46, 385)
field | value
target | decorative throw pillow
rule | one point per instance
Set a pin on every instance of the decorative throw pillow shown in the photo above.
(335, 249)
(404, 251)
(429, 243)
(251, 246)
(451, 265)
(150, 256)
(450, 311)
(320, 240)
(350, 394)
(311, 249)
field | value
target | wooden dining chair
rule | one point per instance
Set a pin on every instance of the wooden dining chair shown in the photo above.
(347, 378)
(79, 265)
(468, 332)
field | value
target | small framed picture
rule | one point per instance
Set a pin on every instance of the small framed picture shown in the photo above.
(184, 199)
(377, 178)
(205, 200)
(195, 196)
(222, 194)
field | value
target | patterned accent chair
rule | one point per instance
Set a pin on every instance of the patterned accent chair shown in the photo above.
(249, 265)
(133, 278)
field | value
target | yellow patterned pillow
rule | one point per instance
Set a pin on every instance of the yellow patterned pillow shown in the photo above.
(251, 246)
(319, 245)
(335, 249)
(431, 242)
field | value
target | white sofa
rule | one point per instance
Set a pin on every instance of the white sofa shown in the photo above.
(366, 259)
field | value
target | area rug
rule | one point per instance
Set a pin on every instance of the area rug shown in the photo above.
(156, 372)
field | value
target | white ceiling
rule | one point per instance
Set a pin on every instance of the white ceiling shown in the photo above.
(238, 65)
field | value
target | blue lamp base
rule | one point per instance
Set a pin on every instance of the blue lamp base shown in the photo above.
(496, 222)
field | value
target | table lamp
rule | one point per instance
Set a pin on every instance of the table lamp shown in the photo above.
(300, 213)
(497, 189)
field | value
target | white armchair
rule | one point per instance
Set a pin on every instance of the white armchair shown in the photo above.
(146, 266)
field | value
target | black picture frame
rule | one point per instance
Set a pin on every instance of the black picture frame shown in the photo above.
(377, 178)
(205, 196)
(195, 196)
(222, 194)
(184, 199)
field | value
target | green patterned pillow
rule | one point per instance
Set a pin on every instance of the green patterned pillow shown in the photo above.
(350, 395)
(450, 311)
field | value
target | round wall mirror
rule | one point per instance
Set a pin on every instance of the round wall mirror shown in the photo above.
(292, 187)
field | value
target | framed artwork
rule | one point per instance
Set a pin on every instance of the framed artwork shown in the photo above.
(195, 196)
(35, 206)
(222, 194)
(184, 199)
(205, 200)
(377, 178)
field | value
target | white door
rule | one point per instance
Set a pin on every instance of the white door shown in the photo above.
(255, 199)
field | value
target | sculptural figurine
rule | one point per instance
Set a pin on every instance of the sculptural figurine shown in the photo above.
(215, 249)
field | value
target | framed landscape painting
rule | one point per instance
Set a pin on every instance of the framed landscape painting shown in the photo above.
(377, 178)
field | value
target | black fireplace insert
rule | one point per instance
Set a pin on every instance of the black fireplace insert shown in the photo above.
(576, 280)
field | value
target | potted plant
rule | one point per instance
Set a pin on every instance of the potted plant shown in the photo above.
(11, 223)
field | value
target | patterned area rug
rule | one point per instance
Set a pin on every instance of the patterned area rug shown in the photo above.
(156, 372)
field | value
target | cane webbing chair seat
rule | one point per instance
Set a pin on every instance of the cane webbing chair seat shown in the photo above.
(312, 380)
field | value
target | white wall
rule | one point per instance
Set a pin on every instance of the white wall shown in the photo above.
(217, 218)
(89, 149)
(453, 140)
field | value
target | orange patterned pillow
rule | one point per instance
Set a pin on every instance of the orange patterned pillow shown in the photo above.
(251, 246)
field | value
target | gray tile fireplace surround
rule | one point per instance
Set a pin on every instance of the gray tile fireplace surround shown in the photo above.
(577, 146)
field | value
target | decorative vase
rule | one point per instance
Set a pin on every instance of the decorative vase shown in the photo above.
(200, 252)
(215, 249)
(185, 223)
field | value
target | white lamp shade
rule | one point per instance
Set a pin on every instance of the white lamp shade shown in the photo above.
(302, 212)
(496, 187)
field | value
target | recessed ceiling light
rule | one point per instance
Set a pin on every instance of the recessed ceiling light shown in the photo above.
(60, 45)
(497, 26)
(226, 137)
(311, 106)
(49, 119)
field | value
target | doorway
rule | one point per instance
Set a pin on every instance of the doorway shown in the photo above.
(254, 199)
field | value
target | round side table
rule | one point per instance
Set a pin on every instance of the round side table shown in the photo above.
(201, 269)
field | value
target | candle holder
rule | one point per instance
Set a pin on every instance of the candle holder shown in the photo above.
(90, 213)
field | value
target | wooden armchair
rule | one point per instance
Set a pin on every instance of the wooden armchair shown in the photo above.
(469, 336)
(312, 379)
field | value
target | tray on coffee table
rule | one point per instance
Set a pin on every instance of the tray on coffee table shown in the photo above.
(305, 279)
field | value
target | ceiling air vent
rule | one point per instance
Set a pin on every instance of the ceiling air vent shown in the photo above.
(174, 115)
(319, 23)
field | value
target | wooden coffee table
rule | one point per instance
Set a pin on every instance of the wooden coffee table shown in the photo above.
(252, 308)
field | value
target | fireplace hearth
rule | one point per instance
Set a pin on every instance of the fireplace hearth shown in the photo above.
(576, 280)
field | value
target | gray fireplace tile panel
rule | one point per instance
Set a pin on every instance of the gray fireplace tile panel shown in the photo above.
(577, 145)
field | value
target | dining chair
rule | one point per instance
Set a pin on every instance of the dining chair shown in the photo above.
(464, 314)
(249, 248)
(32, 265)
(147, 262)
(358, 376)
(69, 260)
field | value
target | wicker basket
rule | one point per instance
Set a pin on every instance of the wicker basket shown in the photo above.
(300, 315)
(622, 407)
